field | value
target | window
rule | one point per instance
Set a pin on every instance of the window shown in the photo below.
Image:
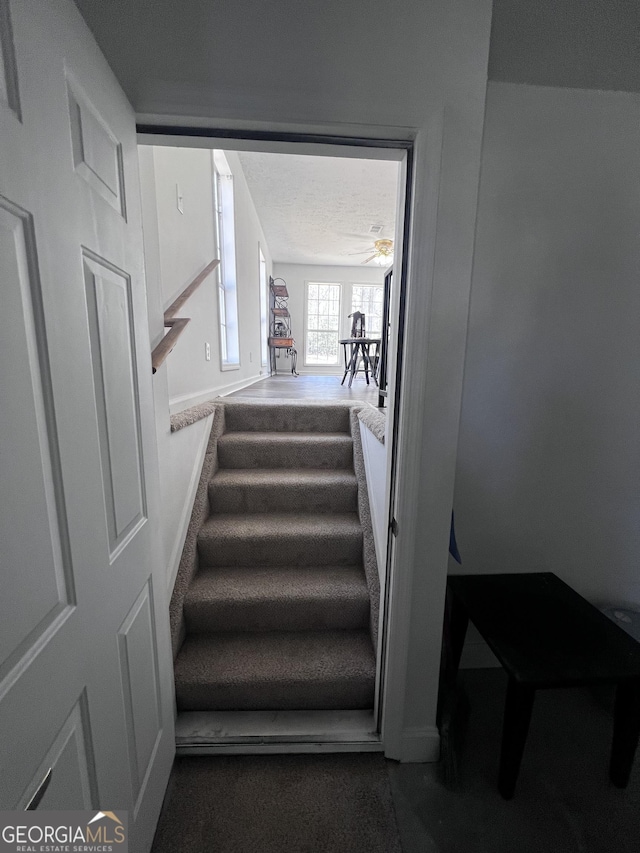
(264, 306)
(226, 243)
(367, 298)
(323, 323)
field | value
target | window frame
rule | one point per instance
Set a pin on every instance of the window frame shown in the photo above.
(263, 287)
(322, 365)
(354, 284)
(226, 272)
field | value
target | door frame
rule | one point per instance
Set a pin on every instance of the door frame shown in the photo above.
(404, 422)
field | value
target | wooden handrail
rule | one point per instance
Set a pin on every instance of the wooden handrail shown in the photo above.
(177, 324)
(177, 304)
(177, 327)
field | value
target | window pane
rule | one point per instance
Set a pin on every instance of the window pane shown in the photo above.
(226, 248)
(322, 348)
(264, 309)
(323, 323)
(368, 300)
(223, 343)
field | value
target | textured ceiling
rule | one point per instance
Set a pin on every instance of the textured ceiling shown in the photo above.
(317, 210)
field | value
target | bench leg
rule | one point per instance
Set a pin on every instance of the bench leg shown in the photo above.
(626, 731)
(517, 716)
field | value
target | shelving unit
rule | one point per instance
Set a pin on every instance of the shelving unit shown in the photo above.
(280, 336)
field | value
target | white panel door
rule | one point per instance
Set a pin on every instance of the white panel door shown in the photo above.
(86, 683)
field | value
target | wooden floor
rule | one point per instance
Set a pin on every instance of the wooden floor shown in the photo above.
(326, 388)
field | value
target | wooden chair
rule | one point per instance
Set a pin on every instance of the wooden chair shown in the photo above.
(357, 326)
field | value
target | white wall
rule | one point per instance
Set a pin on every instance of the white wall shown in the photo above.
(186, 239)
(185, 245)
(375, 465)
(297, 276)
(181, 469)
(584, 44)
(177, 246)
(548, 467)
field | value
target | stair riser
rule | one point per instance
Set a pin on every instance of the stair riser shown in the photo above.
(247, 418)
(309, 454)
(274, 550)
(312, 498)
(301, 615)
(330, 696)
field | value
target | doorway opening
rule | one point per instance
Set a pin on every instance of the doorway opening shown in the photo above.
(323, 288)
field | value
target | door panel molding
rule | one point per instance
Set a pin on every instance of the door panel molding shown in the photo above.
(97, 152)
(73, 781)
(140, 684)
(117, 397)
(9, 89)
(40, 597)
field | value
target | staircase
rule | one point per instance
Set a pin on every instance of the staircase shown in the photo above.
(277, 614)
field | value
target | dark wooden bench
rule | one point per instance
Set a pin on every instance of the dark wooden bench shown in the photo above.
(546, 635)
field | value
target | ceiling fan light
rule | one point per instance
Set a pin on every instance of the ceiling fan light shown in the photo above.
(384, 252)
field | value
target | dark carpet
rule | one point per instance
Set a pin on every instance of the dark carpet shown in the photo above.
(564, 801)
(279, 804)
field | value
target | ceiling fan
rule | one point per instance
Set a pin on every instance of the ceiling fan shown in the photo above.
(382, 252)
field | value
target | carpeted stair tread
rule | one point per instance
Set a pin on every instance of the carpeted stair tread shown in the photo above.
(280, 539)
(290, 598)
(278, 614)
(279, 417)
(279, 670)
(256, 449)
(252, 490)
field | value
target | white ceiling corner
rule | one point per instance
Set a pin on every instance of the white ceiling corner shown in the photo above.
(318, 210)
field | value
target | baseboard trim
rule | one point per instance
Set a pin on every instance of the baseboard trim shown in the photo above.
(420, 745)
(316, 371)
(178, 545)
(178, 404)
